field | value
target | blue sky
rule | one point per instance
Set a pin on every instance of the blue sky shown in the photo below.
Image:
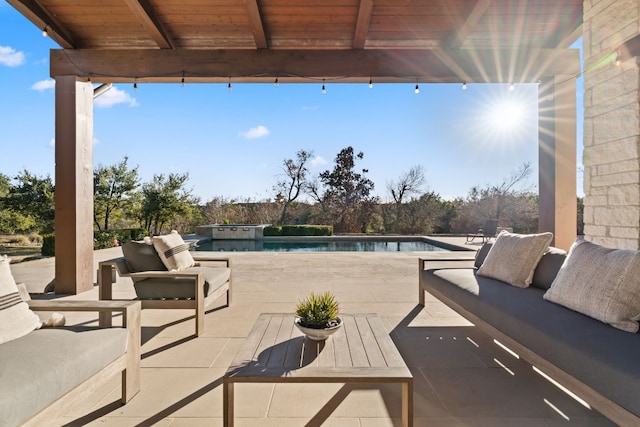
(233, 144)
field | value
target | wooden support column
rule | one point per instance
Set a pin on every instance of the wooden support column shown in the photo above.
(74, 186)
(557, 205)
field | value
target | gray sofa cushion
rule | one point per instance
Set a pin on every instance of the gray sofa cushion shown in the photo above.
(141, 256)
(159, 288)
(570, 340)
(548, 268)
(45, 364)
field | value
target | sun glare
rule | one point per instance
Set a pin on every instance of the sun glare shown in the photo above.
(506, 117)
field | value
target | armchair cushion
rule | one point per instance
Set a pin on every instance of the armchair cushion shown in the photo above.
(142, 256)
(16, 319)
(181, 288)
(173, 251)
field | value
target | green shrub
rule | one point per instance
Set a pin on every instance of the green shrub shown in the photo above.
(48, 245)
(299, 230)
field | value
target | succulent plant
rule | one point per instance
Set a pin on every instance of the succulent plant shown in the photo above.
(318, 311)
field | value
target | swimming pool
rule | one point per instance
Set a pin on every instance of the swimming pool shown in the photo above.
(319, 245)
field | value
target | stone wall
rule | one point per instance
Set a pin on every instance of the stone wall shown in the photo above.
(611, 125)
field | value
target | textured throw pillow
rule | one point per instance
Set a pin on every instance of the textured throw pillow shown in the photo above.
(514, 257)
(600, 282)
(173, 251)
(16, 319)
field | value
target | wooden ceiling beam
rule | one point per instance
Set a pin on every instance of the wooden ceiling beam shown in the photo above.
(263, 65)
(42, 19)
(147, 16)
(255, 20)
(362, 24)
(470, 23)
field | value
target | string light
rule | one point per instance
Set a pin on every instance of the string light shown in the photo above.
(276, 83)
(229, 86)
(324, 89)
(135, 86)
(464, 85)
(417, 89)
(182, 81)
(512, 87)
(45, 33)
(370, 83)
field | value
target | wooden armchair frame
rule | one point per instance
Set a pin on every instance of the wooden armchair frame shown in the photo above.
(109, 268)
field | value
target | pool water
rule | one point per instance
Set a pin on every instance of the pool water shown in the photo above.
(317, 246)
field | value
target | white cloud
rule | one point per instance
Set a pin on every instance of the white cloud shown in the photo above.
(43, 85)
(11, 57)
(318, 161)
(256, 132)
(114, 96)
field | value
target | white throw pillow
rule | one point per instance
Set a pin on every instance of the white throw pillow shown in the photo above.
(173, 251)
(600, 282)
(513, 257)
(16, 319)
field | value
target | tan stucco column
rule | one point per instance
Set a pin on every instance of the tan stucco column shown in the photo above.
(74, 185)
(557, 205)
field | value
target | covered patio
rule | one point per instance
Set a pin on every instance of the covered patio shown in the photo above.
(461, 377)
(358, 41)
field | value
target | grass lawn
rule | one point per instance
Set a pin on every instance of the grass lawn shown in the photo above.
(20, 248)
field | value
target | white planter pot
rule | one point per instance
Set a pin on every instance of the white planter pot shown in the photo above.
(318, 334)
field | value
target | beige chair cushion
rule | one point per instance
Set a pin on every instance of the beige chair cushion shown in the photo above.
(514, 257)
(16, 319)
(600, 282)
(173, 251)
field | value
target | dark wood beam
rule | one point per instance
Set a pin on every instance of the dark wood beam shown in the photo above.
(470, 23)
(42, 19)
(255, 20)
(147, 16)
(263, 65)
(362, 24)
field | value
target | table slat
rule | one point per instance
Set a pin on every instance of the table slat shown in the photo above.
(356, 347)
(374, 354)
(388, 348)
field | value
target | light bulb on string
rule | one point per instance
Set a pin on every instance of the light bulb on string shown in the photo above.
(45, 33)
(229, 86)
(324, 89)
(464, 86)
(417, 89)
(512, 87)
(276, 83)
(135, 86)
(370, 83)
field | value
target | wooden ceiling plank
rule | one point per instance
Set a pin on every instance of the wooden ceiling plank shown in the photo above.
(362, 24)
(255, 20)
(470, 23)
(146, 15)
(263, 65)
(42, 19)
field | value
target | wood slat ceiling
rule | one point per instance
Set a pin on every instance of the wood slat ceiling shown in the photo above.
(306, 25)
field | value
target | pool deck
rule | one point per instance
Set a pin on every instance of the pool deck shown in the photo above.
(461, 378)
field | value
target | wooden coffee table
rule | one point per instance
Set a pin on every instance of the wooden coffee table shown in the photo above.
(360, 352)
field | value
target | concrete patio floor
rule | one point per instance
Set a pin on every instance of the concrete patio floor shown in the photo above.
(461, 378)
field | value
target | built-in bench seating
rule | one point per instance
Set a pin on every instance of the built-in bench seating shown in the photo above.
(597, 362)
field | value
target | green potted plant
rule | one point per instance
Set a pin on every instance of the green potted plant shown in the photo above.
(317, 316)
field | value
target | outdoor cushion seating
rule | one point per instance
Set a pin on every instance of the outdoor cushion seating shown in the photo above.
(195, 286)
(596, 361)
(43, 371)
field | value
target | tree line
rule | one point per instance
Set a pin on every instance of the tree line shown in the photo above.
(341, 196)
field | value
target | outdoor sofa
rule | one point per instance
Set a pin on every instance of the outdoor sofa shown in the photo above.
(595, 360)
(46, 370)
(165, 275)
